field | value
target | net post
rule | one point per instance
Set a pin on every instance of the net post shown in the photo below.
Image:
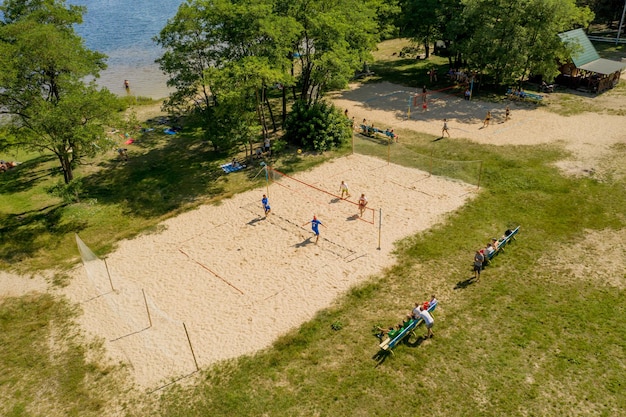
(388, 150)
(191, 347)
(147, 309)
(108, 274)
(430, 165)
(380, 224)
(352, 140)
(480, 172)
(267, 181)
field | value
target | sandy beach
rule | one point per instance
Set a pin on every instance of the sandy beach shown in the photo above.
(233, 280)
(238, 279)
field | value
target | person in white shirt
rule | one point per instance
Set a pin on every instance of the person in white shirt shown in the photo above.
(428, 320)
(344, 189)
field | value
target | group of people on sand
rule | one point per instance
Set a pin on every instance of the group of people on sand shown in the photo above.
(420, 311)
(345, 191)
(445, 130)
(315, 222)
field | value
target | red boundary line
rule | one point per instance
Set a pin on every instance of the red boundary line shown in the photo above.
(326, 192)
(213, 272)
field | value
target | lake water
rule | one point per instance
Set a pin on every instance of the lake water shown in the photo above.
(123, 30)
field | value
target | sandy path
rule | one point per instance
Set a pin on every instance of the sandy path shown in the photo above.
(588, 136)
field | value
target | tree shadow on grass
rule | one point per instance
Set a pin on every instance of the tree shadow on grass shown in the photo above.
(21, 233)
(26, 175)
(159, 181)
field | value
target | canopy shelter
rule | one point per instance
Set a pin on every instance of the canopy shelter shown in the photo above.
(587, 69)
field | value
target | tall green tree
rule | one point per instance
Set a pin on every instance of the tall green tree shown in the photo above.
(335, 39)
(43, 64)
(510, 40)
(420, 21)
(207, 40)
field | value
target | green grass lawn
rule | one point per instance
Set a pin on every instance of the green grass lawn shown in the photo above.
(526, 340)
(531, 339)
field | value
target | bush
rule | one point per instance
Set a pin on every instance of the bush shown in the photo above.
(69, 193)
(317, 127)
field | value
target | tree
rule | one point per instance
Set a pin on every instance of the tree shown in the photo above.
(209, 41)
(335, 39)
(420, 21)
(509, 40)
(43, 64)
(319, 126)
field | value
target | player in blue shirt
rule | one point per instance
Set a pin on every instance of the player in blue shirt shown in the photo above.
(315, 224)
(266, 205)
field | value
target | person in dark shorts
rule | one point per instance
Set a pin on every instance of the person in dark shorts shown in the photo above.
(479, 258)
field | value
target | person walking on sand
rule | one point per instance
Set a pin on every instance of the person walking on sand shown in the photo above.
(507, 113)
(343, 187)
(444, 130)
(487, 119)
(266, 205)
(315, 226)
(362, 204)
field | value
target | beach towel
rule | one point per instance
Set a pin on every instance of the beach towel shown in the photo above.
(228, 168)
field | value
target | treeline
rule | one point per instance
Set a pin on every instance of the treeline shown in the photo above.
(226, 57)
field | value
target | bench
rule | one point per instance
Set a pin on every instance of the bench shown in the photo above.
(502, 242)
(522, 95)
(388, 344)
(373, 131)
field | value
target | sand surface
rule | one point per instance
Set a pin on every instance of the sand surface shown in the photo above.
(589, 137)
(238, 280)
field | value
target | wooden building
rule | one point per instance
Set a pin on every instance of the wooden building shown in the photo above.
(587, 70)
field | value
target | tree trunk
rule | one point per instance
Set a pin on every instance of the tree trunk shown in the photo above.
(269, 109)
(293, 87)
(263, 98)
(284, 106)
(66, 166)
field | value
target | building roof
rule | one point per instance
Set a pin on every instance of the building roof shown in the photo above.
(603, 66)
(585, 55)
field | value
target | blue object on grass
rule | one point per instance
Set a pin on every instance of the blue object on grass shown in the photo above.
(228, 168)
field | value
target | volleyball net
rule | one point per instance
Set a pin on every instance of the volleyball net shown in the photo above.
(319, 196)
(400, 154)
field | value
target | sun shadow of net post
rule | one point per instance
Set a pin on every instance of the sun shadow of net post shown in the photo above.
(130, 334)
(145, 300)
